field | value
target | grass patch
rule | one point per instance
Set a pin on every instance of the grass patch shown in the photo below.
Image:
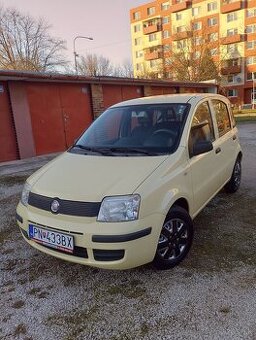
(245, 118)
(13, 180)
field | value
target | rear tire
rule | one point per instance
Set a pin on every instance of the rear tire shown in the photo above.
(175, 239)
(235, 180)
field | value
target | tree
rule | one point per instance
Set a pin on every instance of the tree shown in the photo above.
(191, 58)
(25, 43)
(125, 70)
(93, 65)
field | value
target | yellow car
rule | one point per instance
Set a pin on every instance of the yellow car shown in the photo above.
(127, 191)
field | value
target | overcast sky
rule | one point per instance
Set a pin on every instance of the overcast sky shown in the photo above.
(107, 21)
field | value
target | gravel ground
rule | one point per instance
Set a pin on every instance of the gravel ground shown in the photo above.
(211, 295)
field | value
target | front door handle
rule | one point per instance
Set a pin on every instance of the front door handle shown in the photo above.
(218, 150)
(234, 137)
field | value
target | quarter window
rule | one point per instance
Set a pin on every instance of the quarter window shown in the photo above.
(222, 116)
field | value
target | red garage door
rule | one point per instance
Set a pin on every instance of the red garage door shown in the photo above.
(113, 94)
(59, 113)
(8, 149)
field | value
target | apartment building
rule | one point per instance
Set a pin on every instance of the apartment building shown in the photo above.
(161, 27)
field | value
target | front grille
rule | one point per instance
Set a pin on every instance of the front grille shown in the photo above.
(66, 207)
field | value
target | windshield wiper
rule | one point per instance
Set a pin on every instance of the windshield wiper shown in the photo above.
(132, 150)
(91, 149)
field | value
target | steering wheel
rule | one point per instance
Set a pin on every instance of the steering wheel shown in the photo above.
(165, 131)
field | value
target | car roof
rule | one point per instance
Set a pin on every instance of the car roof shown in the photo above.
(169, 98)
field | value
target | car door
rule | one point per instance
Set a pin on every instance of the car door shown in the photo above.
(227, 139)
(204, 168)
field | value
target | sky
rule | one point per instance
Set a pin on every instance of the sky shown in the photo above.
(107, 21)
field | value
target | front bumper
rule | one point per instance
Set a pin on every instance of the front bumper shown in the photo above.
(103, 245)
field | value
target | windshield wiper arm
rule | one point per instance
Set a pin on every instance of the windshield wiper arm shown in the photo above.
(132, 150)
(91, 149)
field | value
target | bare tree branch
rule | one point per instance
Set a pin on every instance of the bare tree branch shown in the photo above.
(25, 43)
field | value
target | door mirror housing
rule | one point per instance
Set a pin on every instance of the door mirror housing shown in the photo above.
(201, 147)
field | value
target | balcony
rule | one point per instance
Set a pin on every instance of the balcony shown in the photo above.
(181, 6)
(152, 28)
(232, 69)
(181, 35)
(153, 55)
(231, 7)
(232, 39)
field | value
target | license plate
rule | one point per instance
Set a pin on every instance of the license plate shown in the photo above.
(51, 238)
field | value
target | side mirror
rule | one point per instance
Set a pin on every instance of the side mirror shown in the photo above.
(201, 147)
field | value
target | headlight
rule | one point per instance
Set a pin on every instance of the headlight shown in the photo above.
(25, 194)
(119, 208)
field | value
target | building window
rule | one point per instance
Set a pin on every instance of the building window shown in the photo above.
(137, 41)
(152, 37)
(136, 15)
(232, 93)
(165, 6)
(196, 11)
(231, 16)
(251, 45)
(166, 34)
(167, 48)
(213, 36)
(178, 16)
(251, 13)
(251, 60)
(250, 29)
(197, 25)
(230, 79)
(153, 63)
(232, 31)
(181, 44)
(165, 20)
(137, 28)
(138, 67)
(232, 48)
(139, 54)
(212, 21)
(250, 76)
(151, 10)
(198, 41)
(233, 62)
(180, 29)
(212, 6)
(213, 51)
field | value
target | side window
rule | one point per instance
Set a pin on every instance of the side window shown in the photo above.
(222, 116)
(202, 126)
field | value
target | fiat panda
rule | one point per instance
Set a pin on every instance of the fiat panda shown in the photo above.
(127, 191)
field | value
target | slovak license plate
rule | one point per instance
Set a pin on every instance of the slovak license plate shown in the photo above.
(51, 238)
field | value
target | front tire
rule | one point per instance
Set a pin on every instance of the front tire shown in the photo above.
(235, 180)
(175, 239)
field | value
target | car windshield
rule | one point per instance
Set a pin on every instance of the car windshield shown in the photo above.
(153, 129)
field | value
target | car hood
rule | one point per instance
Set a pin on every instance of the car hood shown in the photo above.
(91, 178)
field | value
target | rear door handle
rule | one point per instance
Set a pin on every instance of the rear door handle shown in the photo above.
(218, 150)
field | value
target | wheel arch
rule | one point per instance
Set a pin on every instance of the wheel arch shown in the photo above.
(182, 203)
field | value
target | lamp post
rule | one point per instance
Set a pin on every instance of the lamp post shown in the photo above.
(74, 48)
(253, 91)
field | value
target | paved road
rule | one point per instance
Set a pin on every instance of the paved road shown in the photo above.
(210, 296)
